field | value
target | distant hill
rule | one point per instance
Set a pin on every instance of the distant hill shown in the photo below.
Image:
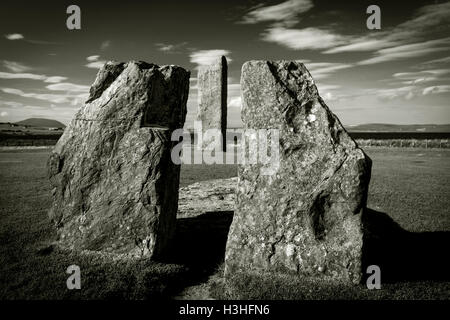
(41, 122)
(385, 127)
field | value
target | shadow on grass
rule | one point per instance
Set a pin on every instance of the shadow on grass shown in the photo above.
(198, 249)
(403, 255)
(38, 270)
(200, 241)
(195, 253)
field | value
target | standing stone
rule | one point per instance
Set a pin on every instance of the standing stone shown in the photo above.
(115, 188)
(306, 218)
(212, 100)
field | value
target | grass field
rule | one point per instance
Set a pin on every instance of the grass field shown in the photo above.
(408, 185)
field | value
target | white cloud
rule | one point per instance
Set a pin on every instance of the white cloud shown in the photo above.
(407, 92)
(207, 57)
(55, 79)
(170, 48)
(54, 98)
(165, 47)
(435, 62)
(285, 12)
(31, 76)
(362, 44)
(436, 89)
(48, 97)
(14, 36)
(321, 70)
(327, 87)
(66, 86)
(93, 58)
(301, 39)
(95, 64)
(408, 51)
(421, 76)
(330, 92)
(15, 66)
(78, 99)
(428, 20)
(3, 114)
(12, 104)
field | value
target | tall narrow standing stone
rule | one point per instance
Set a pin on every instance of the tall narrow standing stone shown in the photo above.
(306, 218)
(212, 99)
(115, 188)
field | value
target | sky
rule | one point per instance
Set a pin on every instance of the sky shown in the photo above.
(398, 74)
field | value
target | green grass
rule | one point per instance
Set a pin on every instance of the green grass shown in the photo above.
(411, 186)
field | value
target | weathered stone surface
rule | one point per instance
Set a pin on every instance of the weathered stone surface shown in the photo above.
(306, 218)
(115, 187)
(212, 100)
(207, 196)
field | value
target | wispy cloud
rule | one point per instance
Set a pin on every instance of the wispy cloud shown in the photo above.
(70, 97)
(11, 104)
(436, 89)
(32, 76)
(93, 58)
(15, 66)
(55, 79)
(55, 98)
(422, 76)
(406, 92)
(17, 105)
(302, 39)
(321, 70)
(434, 62)
(18, 36)
(428, 20)
(207, 57)
(408, 51)
(405, 40)
(170, 48)
(68, 87)
(94, 62)
(285, 13)
(362, 44)
(14, 36)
